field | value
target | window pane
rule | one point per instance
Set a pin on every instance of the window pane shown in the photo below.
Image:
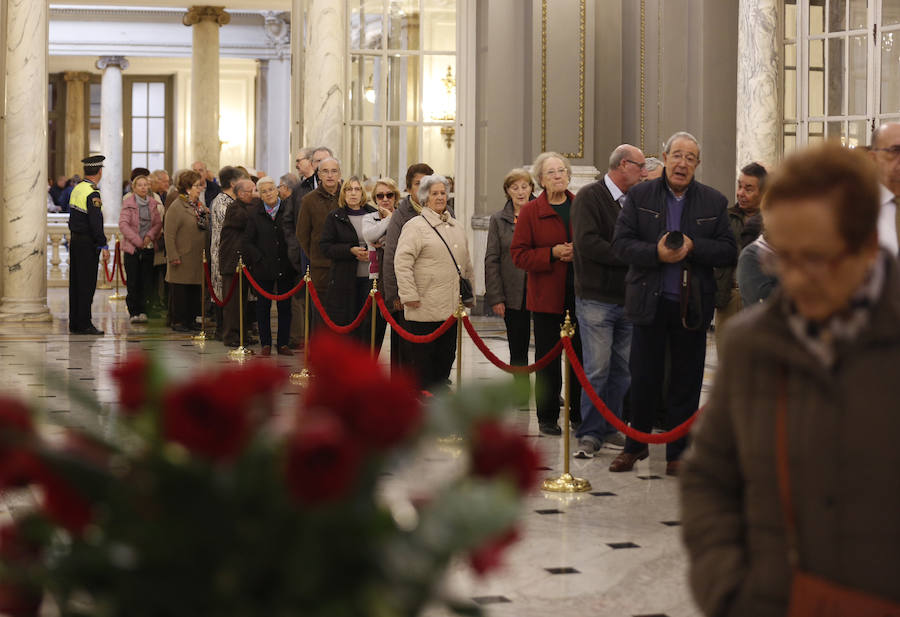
(816, 16)
(439, 91)
(95, 100)
(835, 77)
(156, 135)
(403, 25)
(890, 72)
(439, 25)
(858, 14)
(139, 99)
(858, 133)
(890, 12)
(790, 19)
(837, 15)
(139, 134)
(836, 131)
(403, 151)
(790, 80)
(857, 87)
(365, 24)
(816, 78)
(138, 159)
(94, 139)
(816, 132)
(403, 88)
(365, 87)
(156, 161)
(365, 151)
(157, 99)
(438, 145)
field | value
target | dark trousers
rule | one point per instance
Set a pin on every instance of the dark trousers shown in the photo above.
(264, 312)
(548, 384)
(159, 301)
(401, 349)
(319, 278)
(518, 335)
(432, 362)
(231, 334)
(139, 280)
(364, 332)
(185, 303)
(648, 352)
(84, 259)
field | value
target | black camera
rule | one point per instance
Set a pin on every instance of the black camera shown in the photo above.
(674, 240)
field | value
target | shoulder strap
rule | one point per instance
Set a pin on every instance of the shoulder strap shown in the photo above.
(458, 271)
(783, 471)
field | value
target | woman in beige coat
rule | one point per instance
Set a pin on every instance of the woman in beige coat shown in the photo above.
(185, 230)
(428, 279)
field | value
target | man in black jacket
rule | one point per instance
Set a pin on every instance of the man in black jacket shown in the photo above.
(672, 232)
(600, 296)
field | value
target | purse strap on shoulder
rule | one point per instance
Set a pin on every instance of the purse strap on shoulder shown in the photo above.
(458, 271)
(783, 470)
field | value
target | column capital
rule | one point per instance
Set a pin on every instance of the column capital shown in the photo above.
(277, 27)
(215, 14)
(106, 61)
(82, 76)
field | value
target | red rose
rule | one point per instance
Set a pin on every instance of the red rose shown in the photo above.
(204, 417)
(19, 600)
(18, 464)
(15, 547)
(379, 411)
(254, 378)
(322, 461)
(490, 556)
(131, 378)
(63, 504)
(497, 450)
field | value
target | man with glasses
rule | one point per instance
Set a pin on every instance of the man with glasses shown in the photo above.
(672, 232)
(885, 151)
(600, 296)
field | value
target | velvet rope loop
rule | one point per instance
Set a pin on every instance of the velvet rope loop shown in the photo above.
(412, 338)
(509, 368)
(669, 436)
(273, 297)
(212, 292)
(119, 265)
(109, 275)
(333, 326)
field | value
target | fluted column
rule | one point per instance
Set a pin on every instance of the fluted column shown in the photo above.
(75, 146)
(24, 214)
(111, 135)
(325, 58)
(757, 83)
(205, 21)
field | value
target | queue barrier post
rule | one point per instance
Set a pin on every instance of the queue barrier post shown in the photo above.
(201, 338)
(372, 293)
(117, 259)
(241, 351)
(566, 483)
(302, 377)
(460, 316)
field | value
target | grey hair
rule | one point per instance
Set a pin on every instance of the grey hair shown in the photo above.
(652, 163)
(427, 182)
(537, 168)
(265, 180)
(677, 136)
(289, 180)
(305, 154)
(330, 158)
(618, 155)
(325, 148)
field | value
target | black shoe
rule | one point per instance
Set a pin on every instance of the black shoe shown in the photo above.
(91, 330)
(548, 428)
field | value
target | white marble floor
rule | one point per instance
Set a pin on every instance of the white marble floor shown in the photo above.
(615, 551)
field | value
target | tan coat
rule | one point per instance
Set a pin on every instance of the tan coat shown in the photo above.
(424, 269)
(184, 241)
(843, 427)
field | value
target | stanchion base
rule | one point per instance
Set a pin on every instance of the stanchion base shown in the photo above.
(201, 338)
(301, 378)
(240, 353)
(116, 297)
(566, 483)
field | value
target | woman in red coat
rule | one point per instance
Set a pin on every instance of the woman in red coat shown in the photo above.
(542, 246)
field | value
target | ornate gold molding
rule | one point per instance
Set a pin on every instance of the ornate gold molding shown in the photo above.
(581, 60)
(196, 14)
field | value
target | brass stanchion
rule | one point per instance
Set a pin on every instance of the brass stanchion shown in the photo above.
(241, 351)
(566, 483)
(372, 293)
(118, 251)
(303, 376)
(460, 315)
(102, 283)
(201, 338)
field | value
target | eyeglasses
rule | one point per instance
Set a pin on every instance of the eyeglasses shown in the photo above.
(689, 158)
(640, 165)
(384, 195)
(816, 266)
(892, 152)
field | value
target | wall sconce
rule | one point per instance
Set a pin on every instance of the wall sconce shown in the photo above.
(449, 132)
(370, 91)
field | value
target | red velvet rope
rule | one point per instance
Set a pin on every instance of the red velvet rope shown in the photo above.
(500, 364)
(266, 294)
(412, 338)
(109, 275)
(119, 263)
(212, 292)
(350, 327)
(676, 433)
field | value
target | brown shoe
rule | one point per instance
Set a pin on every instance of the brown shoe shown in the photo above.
(284, 350)
(673, 467)
(266, 350)
(625, 461)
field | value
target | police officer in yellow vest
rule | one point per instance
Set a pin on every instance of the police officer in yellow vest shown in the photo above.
(86, 246)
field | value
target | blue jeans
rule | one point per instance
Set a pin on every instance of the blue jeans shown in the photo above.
(606, 341)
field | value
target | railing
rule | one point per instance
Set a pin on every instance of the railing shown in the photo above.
(58, 252)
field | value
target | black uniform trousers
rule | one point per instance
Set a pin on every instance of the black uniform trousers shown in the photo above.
(84, 258)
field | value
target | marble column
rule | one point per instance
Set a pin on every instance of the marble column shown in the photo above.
(24, 173)
(324, 61)
(276, 98)
(111, 136)
(76, 149)
(205, 21)
(298, 16)
(757, 83)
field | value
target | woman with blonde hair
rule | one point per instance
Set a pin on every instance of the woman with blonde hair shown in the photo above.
(385, 195)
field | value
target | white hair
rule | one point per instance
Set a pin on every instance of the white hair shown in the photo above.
(426, 184)
(677, 136)
(265, 180)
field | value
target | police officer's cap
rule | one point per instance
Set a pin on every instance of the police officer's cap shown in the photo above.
(92, 164)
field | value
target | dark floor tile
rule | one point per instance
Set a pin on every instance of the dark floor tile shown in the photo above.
(484, 600)
(550, 511)
(545, 468)
(603, 494)
(671, 523)
(86, 378)
(652, 615)
(653, 477)
(562, 570)
(617, 545)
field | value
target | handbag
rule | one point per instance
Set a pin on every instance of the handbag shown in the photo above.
(812, 595)
(465, 287)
